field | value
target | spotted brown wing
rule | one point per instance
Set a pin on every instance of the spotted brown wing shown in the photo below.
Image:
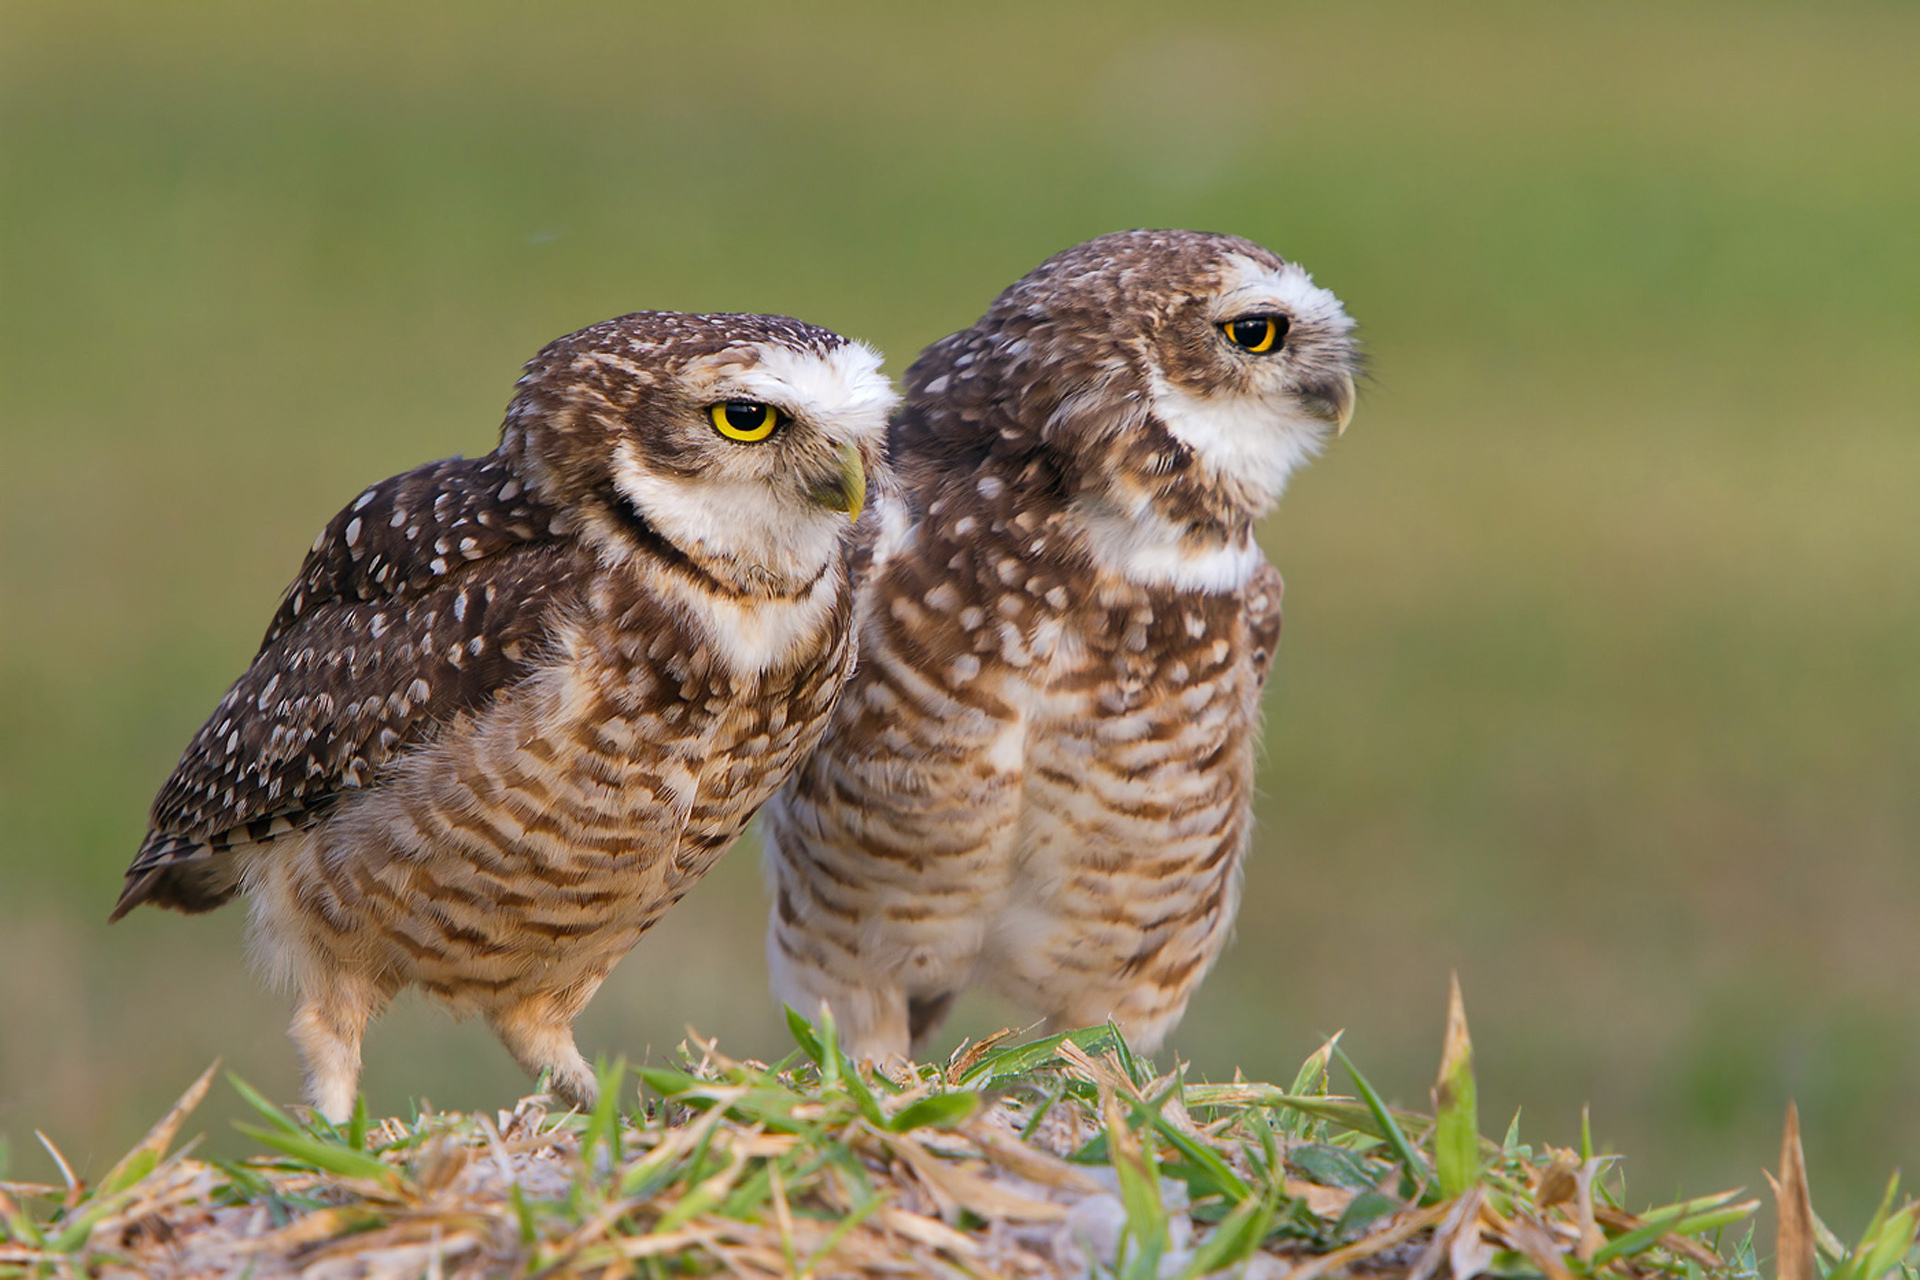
(419, 602)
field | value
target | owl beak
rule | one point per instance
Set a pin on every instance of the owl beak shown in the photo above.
(1331, 402)
(848, 491)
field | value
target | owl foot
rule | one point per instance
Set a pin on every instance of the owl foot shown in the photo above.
(540, 1038)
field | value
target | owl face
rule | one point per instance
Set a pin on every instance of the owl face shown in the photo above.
(1234, 351)
(1253, 370)
(741, 443)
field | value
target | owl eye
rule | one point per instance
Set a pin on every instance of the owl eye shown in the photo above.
(1257, 334)
(746, 420)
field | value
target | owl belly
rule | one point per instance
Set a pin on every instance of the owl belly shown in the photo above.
(525, 852)
(1134, 816)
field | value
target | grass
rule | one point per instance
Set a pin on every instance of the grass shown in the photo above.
(1061, 1156)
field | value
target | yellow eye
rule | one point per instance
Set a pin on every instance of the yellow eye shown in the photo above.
(746, 421)
(1257, 334)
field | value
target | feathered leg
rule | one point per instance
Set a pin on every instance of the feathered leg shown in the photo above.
(538, 1032)
(327, 1025)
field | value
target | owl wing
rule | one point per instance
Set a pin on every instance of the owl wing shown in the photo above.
(1262, 597)
(420, 601)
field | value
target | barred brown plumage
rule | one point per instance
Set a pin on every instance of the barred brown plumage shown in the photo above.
(511, 708)
(1040, 776)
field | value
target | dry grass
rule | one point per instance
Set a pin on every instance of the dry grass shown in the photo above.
(1066, 1156)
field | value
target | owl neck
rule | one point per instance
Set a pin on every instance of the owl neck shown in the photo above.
(714, 575)
(1151, 510)
(1150, 544)
(756, 636)
(1139, 507)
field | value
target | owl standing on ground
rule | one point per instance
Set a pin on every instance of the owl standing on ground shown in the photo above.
(512, 708)
(1040, 778)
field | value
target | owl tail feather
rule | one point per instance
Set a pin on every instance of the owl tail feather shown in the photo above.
(187, 882)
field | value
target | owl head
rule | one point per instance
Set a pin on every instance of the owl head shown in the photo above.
(744, 444)
(1153, 363)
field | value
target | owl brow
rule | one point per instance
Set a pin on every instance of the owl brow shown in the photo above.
(1252, 298)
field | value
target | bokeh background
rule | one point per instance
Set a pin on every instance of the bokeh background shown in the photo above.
(1601, 679)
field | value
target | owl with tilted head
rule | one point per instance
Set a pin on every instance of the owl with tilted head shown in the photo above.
(513, 707)
(1040, 777)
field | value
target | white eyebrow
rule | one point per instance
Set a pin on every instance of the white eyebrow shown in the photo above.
(1289, 289)
(844, 384)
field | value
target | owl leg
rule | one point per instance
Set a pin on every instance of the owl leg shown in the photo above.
(327, 1026)
(538, 1032)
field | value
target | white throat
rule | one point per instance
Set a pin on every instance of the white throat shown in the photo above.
(1142, 547)
(737, 522)
(1251, 442)
(754, 635)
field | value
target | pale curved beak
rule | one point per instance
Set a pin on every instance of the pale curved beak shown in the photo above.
(1331, 402)
(848, 491)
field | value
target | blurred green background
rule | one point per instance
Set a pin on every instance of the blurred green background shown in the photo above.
(1601, 680)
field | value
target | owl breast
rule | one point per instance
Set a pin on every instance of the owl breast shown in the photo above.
(1050, 791)
(527, 848)
(1133, 803)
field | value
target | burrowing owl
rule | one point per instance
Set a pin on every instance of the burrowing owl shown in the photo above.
(513, 707)
(1040, 776)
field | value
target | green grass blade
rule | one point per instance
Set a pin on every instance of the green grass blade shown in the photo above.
(1310, 1081)
(862, 1097)
(1456, 1117)
(329, 1157)
(669, 1083)
(1138, 1074)
(136, 1166)
(522, 1215)
(833, 1063)
(1700, 1224)
(1218, 1178)
(1688, 1217)
(804, 1035)
(1139, 1178)
(1692, 1217)
(1343, 1112)
(357, 1125)
(1021, 1059)
(1032, 1126)
(1267, 1161)
(1640, 1239)
(1390, 1128)
(1853, 1265)
(1332, 1166)
(18, 1227)
(1882, 1251)
(1313, 1074)
(941, 1111)
(273, 1115)
(603, 1125)
(1365, 1209)
(756, 1189)
(242, 1182)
